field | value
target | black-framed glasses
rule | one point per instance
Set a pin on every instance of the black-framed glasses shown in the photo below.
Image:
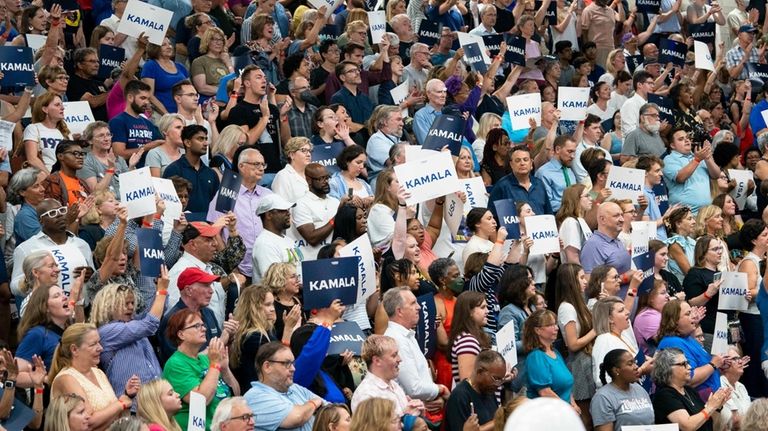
(245, 417)
(286, 364)
(352, 71)
(56, 212)
(194, 95)
(198, 326)
(684, 364)
(257, 165)
(77, 154)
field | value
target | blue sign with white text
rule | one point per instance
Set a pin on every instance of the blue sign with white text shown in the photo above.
(426, 329)
(228, 191)
(506, 213)
(446, 130)
(17, 66)
(151, 254)
(672, 52)
(325, 280)
(326, 155)
(644, 263)
(110, 58)
(346, 336)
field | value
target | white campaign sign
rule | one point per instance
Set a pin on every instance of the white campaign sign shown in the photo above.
(506, 345)
(466, 39)
(477, 197)
(703, 57)
(140, 17)
(742, 177)
(542, 229)
(522, 108)
(164, 187)
(765, 115)
(68, 257)
(400, 93)
(733, 292)
(720, 341)
(642, 232)
(378, 23)
(626, 183)
(572, 103)
(36, 41)
(330, 5)
(196, 412)
(453, 212)
(78, 116)
(662, 427)
(6, 135)
(414, 153)
(427, 179)
(137, 192)
(361, 247)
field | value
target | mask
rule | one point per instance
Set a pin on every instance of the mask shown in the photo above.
(653, 128)
(457, 286)
(310, 98)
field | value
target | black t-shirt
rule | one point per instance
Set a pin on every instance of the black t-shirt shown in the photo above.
(694, 284)
(667, 400)
(405, 52)
(458, 410)
(318, 77)
(249, 114)
(78, 86)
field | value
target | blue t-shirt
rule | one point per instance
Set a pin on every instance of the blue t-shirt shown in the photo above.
(134, 131)
(26, 224)
(696, 356)
(547, 372)
(164, 81)
(451, 19)
(40, 341)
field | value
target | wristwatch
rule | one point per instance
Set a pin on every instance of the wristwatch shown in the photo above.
(10, 384)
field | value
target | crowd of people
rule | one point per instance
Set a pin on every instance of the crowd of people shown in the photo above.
(300, 104)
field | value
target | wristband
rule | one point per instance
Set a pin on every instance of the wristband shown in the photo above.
(624, 278)
(314, 405)
(72, 304)
(285, 343)
(162, 292)
(110, 171)
(697, 161)
(122, 404)
(706, 415)
(500, 242)
(332, 222)
(707, 296)
(39, 391)
(215, 367)
(712, 365)
(129, 396)
(401, 205)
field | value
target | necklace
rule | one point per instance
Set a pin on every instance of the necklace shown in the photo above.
(688, 398)
(630, 348)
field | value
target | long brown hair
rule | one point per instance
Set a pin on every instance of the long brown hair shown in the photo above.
(382, 195)
(249, 313)
(538, 319)
(670, 315)
(36, 313)
(38, 115)
(463, 322)
(568, 289)
(571, 203)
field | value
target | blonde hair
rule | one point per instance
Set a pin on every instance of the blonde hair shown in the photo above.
(249, 312)
(609, 60)
(151, 409)
(485, 124)
(57, 413)
(208, 35)
(357, 20)
(391, 8)
(165, 122)
(706, 213)
(229, 137)
(277, 276)
(74, 335)
(373, 414)
(109, 301)
(295, 144)
(93, 216)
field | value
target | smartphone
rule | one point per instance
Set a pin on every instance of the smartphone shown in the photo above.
(349, 192)
(471, 408)
(718, 276)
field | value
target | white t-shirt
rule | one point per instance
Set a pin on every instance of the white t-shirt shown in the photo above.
(381, 225)
(269, 248)
(312, 209)
(289, 184)
(475, 245)
(604, 343)
(566, 313)
(47, 141)
(573, 232)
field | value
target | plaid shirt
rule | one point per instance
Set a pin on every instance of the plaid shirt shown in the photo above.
(301, 122)
(734, 56)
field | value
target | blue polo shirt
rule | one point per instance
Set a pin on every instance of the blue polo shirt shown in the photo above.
(509, 188)
(600, 249)
(359, 106)
(694, 192)
(653, 212)
(205, 184)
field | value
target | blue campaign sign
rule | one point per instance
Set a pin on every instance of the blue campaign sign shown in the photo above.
(330, 31)
(672, 52)
(551, 13)
(757, 73)
(228, 191)
(665, 107)
(507, 217)
(429, 32)
(446, 130)
(475, 57)
(515, 51)
(325, 280)
(110, 57)
(346, 336)
(493, 43)
(704, 32)
(426, 329)
(608, 125)
(17, 66)
(151, 254)
(648, 6)
(633, 61)
(326, 155)
(644, 263)
(662, 196)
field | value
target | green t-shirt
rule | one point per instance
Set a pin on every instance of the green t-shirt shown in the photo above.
(184, 374)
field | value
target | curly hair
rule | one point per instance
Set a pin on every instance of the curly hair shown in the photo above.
(110, 301)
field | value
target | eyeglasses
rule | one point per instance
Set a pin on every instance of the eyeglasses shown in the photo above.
(77, 154)
(63, 77)
(352, 71)
(257, 165)
(322, 179)
(198, 325)
(193, 95)
(683, 364)
(103, 135)
(56, 212)
(304, 150)
(286, 364)
(245, 418)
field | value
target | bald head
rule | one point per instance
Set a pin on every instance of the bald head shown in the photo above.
(610, 219)
(436, 93)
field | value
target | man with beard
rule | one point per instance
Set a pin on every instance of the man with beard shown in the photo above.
(272, 245)
(645, 140)
(205, 182)
(130, 131)
(83, 85)
(314, 212)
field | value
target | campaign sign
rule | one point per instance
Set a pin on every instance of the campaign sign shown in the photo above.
(326, 155)
(430, 178)
(325, 280)
(572, 103)
(366, 266)
(453, 213)
(477, 197)
(330, 5)
(626, 183)
(703, 56)
(329, 31)
(68, 257)
(197, 410)
(399, 94)
(228, 191)
(35, 41)
(720, 341)
(506, 344)
(164, 188)
(506, 213)
(475, 57)
(140, 17)
(110, 57)
(633, 61)
(466, 39)
(742, 177)
(642, 233)
(414, 152)
(430, 32)
(426, 329)
(648, 6)
(137, 192)
(608, 125)
(346, 336)
(542, 229)
(672, 52)
(733, 292)
(704, 32)
(16, 63)
(551, 12)
(644, 263)
(78, 116)
(493, 43)
(662, 427)
(151, 254)
(515, 51)
(665, 107)
(378, 22)
(662, 196)
(522, 108)
(446, 131)
(757, 73)
(504, 20)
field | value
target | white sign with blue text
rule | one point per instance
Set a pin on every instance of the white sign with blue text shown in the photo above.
(366, 266)
(542, 229)
(505, 343)
(68, 257)
(625, 183)
(572, 103)
(137, 192)
(742, 177)
(78, 116)
(522, 108)
(400, 93)
(427, 179)
(197, 407)
(378, 23)
(166, 191)
(703, 56)
(330, 5)
(720, 340)
(140, 17)
(477, 196)
(733, 292)
(453, 212)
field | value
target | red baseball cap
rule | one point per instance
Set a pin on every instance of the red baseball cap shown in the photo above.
(193, 275)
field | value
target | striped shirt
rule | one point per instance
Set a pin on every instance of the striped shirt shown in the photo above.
(465, 344)
(487, 282)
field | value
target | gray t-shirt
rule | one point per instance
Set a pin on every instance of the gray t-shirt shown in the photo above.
(638, 143)
(158, 158)
(92, 167)
(611, 404)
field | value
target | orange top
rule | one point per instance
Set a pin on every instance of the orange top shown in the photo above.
(75, 193)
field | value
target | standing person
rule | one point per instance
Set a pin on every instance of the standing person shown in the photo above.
(684, 175)
(102, 168)
(648, 318)
(422, 120)
(700, 286)
(389, 131)
(660, 272)
(26, 189)
(83, 84)
(642, 83)
(653, 167)
(622, 402)
(314, 214)
(131, 132)
(161, 73)
(598, 21)
(645, 139)
(63, 183)
(467, 337)
(604, 246)
(170, 125)
(158, 404)
(574, 231)
(272, 245)
(681, 225)
(291, 182)
(557, 174)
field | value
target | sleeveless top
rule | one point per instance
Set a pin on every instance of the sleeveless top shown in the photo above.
(97, 396)
(752, 309)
